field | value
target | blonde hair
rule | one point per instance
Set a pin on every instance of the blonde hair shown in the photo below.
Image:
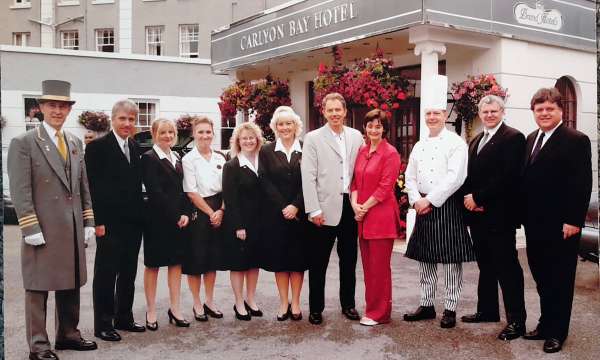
(197, 120)
(286, 111)
(156, 124)
(235, 138)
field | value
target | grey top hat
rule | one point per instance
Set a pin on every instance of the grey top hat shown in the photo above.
(56, 90)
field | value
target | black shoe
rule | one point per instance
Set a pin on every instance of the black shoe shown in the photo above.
(131, 327)
(253, 312)
(212, 313)
(108, 335)
(448, 319)
(284, 317)
(351, 314)
(79, 345)
(239, 316)
(552, 345)
(296, 317)
(43, 355)
(534, 335)
(200, 317)
(152, 326)
(422, 313)
(178, 322)
(315, 318)
(512, 331)
(479, 317)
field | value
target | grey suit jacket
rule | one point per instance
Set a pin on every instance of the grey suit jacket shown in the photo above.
(54, 200)
(322, 171)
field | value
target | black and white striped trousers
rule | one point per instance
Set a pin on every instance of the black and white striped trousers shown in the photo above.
(452, 279)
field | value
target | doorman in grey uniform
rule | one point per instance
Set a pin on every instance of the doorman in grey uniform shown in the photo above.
(437, 168)
(48, 184)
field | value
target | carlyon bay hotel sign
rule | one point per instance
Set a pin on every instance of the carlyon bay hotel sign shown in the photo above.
(538, 16)
(319, 20)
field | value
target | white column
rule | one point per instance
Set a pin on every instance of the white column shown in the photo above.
(125, 26)
(429, 51)
(47, 34)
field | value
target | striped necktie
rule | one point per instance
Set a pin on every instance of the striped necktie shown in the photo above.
(61, 145)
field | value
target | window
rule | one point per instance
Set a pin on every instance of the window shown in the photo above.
(21, 38)
(569, 99)
(105, 40)
(188, 41)
(146, 115)
(154, 40)
(70, 40)
(22, 2)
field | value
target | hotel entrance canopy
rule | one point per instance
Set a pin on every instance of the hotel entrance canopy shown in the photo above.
(300, 26)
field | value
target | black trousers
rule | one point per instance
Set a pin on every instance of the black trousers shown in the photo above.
(553, 264)
(115, 268)
(322, 242)
(498, 263)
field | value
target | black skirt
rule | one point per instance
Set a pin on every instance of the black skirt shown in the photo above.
(441, 236)
(205, 246)
(283, 243)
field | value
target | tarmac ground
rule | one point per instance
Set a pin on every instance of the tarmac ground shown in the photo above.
(337, 338)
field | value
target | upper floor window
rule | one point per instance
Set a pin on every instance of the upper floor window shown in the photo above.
(105, 40)
(569, 99)
(21, 4)
(188, 40)
(21, 38)
(147, 113)
(154, 40)
(70, 39)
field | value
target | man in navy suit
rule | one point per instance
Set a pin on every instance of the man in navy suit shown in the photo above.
(490, 193)
(555, 192)
(115, 177)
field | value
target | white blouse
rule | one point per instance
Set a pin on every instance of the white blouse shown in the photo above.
(202, 176)
(437, 167)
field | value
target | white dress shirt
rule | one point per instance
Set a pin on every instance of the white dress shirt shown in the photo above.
(437, 167)
(162, 155)
(341, 141)
(245, 162)
(547, 135)
(203, 176)
(52, 133)
(295, 148)
(121, 141)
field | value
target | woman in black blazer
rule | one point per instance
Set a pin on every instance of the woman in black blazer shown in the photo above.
(167, 208)
(283, 223)
(242, 197)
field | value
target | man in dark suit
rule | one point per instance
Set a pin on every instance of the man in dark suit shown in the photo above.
(49, 187)
(491, 190)
(555, 192)
(115, 177)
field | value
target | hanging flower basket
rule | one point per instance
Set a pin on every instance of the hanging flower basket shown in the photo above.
(259, 97)
(184, 123)
(95, 120)
(468, 93)
(368, 82)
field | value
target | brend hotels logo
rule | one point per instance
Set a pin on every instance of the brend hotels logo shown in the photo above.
(538, 16)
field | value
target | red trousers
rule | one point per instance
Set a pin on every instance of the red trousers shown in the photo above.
(376, 255)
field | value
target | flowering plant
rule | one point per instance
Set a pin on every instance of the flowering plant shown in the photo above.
(184, 122)
(368, 82)
(468, 93)
(95, 121)
(260, 97)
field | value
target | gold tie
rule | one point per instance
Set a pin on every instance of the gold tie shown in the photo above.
(62, 147)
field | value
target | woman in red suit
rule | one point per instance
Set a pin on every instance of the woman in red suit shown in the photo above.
(375, 172)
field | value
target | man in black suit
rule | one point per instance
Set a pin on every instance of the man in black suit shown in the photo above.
(491, 190)
(555, 192)
(115, 177)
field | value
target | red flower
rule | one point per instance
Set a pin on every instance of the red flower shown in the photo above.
(322, 68)
(395, 105)
(384, 107)
(401, 95)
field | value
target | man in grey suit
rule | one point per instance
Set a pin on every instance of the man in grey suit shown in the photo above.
(327, 167)
(49, 187)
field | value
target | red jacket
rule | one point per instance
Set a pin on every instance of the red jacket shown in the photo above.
(375, 175)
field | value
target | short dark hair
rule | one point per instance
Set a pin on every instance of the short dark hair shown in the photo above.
(381, 116)
(547, 94)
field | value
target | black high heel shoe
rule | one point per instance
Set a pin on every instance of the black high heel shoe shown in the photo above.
(212, 313)
(202, 317)
(257, 312)
(294, 317)
(285, 316)
(178, 322)
(239, 316)
(152, 326)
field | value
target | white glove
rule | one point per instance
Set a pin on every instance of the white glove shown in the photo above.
(35, 239)
(90, 234)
